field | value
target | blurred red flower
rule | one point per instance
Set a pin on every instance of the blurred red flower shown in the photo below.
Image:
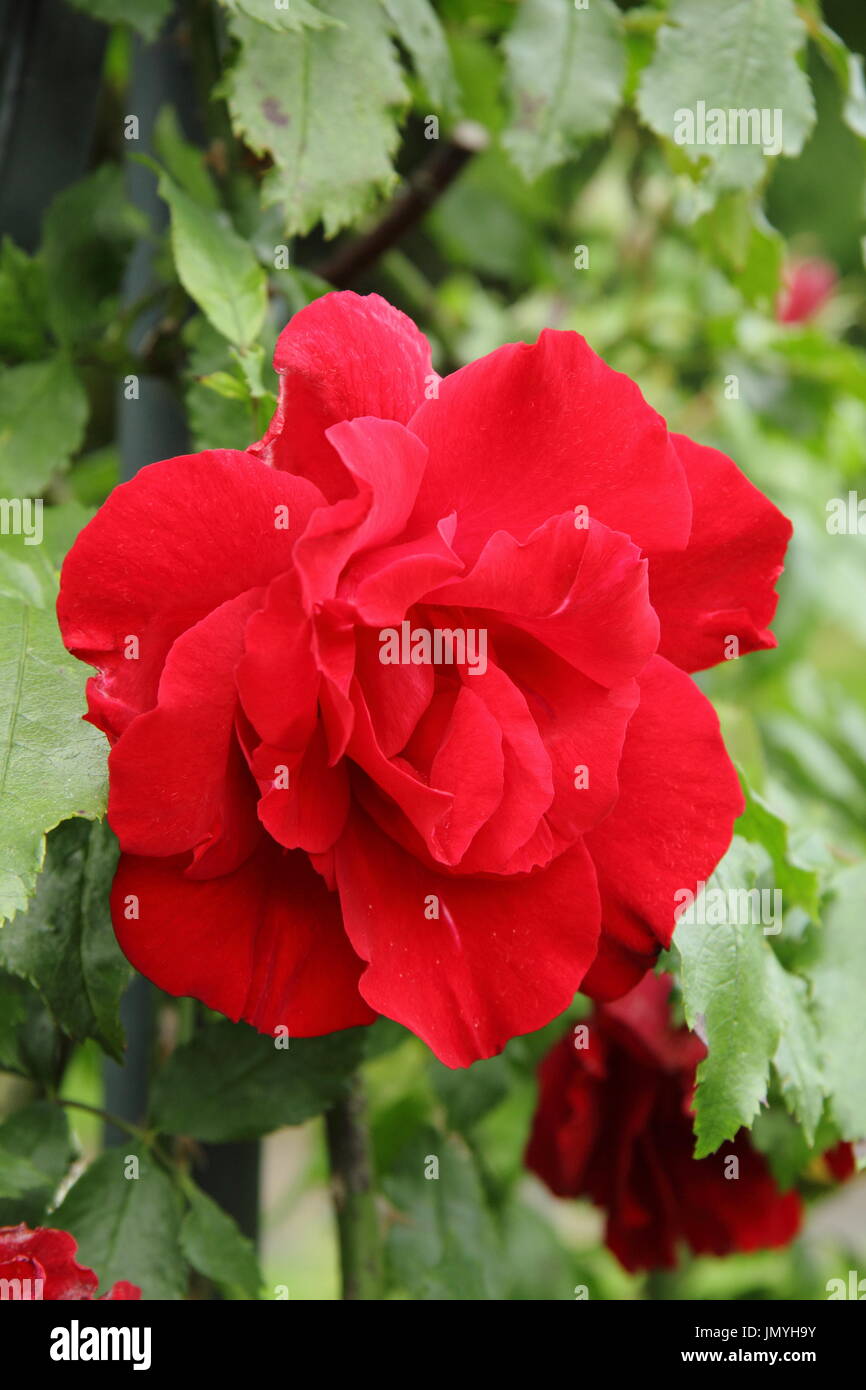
(807, 285)
(613, 1124)
(841, 1161)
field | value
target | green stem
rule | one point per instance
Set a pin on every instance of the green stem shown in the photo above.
(135, 1131)
(661, 1285)
(187, 1014)
(354, 1201)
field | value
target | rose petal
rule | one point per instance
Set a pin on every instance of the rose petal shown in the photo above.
(169, 784)
(310, 811)
(528, 433)
(526, 777)
(383, 584)
(679, 798)
(52, 1253)
(396, 696)
(582, 726)
(277, 678)
(721, 585)
(582, 592)
(386, 463)
(502, 958)
(121, 1290)
(182, 537)
(342, 356)
(264, 944)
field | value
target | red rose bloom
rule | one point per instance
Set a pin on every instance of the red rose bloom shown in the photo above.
(807, 285)
(322, 819)
(40, 1264)
(613, 1124)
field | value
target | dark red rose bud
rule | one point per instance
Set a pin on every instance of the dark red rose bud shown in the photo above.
(613, 1124)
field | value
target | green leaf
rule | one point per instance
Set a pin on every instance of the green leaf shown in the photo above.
(251, 365)
(751, 1012)
(13, 1011)
(839, 984)
(443, 1246)
(183, 162)
(214, 1246)
(52, 764)
(323, 103)
(95, 475)
(565, 71)
(797, 1059)
(537, 1266)
(810, 354)
(738, 236)
(18, 1176)
(301, 287)
(494, 223)
(28, 571)
(28, 1037)
(87, 236)
(479, 67)
(384, 1036)
(43, 410)
(737, 57)
(848, 68)
(127, 1227)
(468, 1093)
(726, 985)
(30, 581)
(36, 1135)
(215, 421)
(289, 15)
(780, 1139)
(416, 25)
(146, 16)
(61, 525)
(23, 305)
(65, 945)
(231, 388)
(814, 764)
(261, 1086)
(800, 886)
(216, 267)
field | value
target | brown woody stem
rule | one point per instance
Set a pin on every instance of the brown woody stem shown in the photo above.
(423, 189)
